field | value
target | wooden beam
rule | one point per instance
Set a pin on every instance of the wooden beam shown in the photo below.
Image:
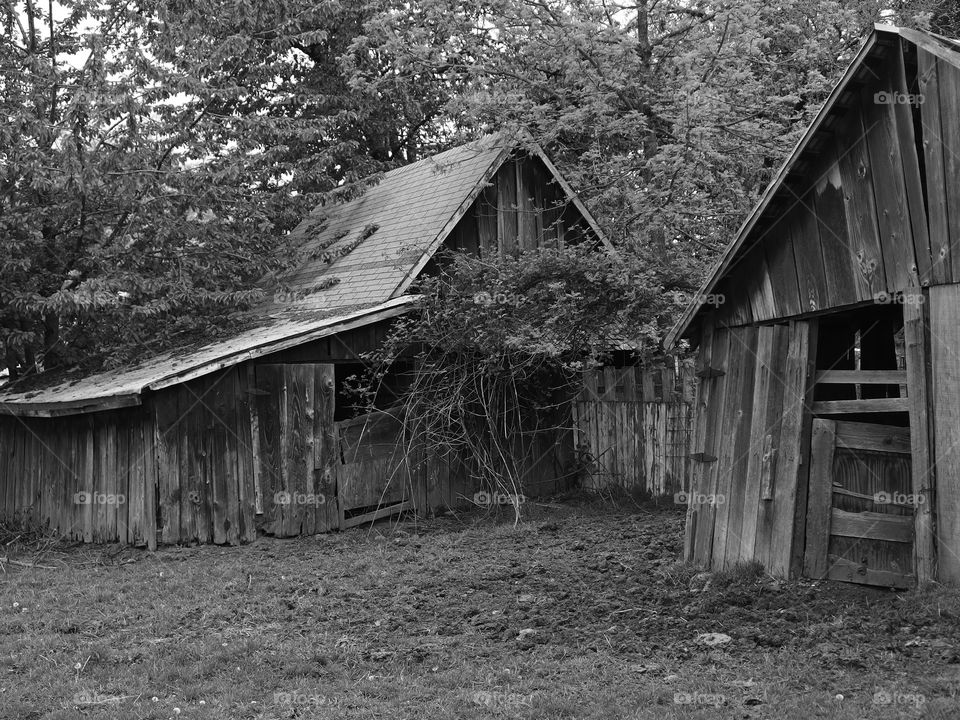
(376, 514)
(849, 571)
(819, 498)
(872, 526)
(870, 405)
(877, 438)
(923, 479)
(862, 377)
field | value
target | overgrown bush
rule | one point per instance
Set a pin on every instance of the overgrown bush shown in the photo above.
(498, 349)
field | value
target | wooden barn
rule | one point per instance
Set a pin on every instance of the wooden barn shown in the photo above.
(827, 422)
(253, 432)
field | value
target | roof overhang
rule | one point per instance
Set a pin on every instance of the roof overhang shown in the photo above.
(96, 402)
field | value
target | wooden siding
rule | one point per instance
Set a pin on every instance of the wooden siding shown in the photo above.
(945, 411)
(872, 215)
(522, 209)
(83, 478)
(748, 440)
(205, 473)
(633, 428)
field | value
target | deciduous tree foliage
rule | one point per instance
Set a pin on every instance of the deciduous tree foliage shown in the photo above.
(154, 153)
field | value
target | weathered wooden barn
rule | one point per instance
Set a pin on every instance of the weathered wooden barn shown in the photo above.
(253, 432)
(827, 421)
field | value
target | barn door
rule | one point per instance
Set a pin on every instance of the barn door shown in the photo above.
(860, 510)
(373, 480)
(297, 448)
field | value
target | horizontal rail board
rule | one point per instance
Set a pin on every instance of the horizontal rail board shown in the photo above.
(872, 526)
(871, 405)
(868, 436)
(849, 571)
(862, 377)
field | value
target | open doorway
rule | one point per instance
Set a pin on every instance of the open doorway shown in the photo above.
(860, 510)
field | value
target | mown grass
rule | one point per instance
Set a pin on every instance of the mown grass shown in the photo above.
(579, 612)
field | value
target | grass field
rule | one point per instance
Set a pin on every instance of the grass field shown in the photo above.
(580, 611)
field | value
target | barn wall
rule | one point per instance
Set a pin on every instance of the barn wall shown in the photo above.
(82, 477)
(873, 215)
(747, 486)
(521, 209)
(204, 452)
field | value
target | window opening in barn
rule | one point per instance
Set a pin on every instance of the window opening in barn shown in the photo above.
(863, 340)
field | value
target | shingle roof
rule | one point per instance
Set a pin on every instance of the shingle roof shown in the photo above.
(408, 211)
(363, 253)
(404, 214)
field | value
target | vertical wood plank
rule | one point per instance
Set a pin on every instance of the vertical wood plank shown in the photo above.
(526, 212)
(945, 371)
(168, 463)
(732, 455)
(327, 457)
(778, 249)
(916, 206)
(831, 220)
(941, 270)
(888, 180)
(856, 175)
(948, 78)
(245, 432)
(790, 466)
(89, 478)
(811, 276)
(151, 464)
(507, 209)
(819, 496)
(922, 469)
(295, 448)
(698, 434)
(705, 513)
(768, 434)
(487, 221)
